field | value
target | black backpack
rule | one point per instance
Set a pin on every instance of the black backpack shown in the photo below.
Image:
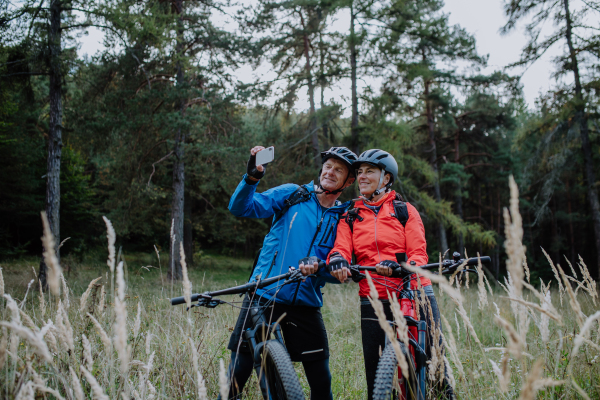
(299, 196)
(400, 212)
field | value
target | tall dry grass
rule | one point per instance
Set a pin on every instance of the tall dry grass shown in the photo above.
(513, 340)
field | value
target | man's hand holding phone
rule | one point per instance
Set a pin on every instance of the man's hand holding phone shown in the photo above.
(255, 172)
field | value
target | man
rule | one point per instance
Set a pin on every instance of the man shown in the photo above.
(307, 229)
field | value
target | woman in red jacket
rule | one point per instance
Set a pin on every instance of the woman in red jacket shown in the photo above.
(376, 235)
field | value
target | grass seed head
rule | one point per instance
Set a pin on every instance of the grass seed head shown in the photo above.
(87, 352)
(187, 285)
(138, 321)
(102, 333)
(112, 237)
(85, 296)
(76, 386)
(97, 391)
(223, 381)
(54, 270)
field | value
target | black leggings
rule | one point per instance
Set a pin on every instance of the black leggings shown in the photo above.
(317, 374)
(373, 337)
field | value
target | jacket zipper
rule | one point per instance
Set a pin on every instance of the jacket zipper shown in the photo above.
(376, 245)
(272, 264)
(308, 254)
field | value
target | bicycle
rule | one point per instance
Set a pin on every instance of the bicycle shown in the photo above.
(272, 363)
(389, 382)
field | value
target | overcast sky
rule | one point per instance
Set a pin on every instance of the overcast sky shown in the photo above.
(481, 18)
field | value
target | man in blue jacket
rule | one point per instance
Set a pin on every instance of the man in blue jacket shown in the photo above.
(305, 230)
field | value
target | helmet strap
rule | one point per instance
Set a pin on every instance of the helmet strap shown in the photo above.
(380, 188)
(336, 191)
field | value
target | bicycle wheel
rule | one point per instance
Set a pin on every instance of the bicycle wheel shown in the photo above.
(388, 384)
(282, 381)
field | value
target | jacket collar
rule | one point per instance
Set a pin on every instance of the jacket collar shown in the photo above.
(388, 198)
(339, 207)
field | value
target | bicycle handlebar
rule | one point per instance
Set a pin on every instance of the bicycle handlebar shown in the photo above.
(238, 289)
(448, 266)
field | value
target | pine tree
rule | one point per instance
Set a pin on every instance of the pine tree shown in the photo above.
(418, 48)
(570, 28)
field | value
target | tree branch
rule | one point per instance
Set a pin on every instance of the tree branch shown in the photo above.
(154, 168)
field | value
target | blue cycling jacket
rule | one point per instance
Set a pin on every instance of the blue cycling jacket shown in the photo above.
(312, 233)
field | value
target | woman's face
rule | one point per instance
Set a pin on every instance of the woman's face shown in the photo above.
(368, 177)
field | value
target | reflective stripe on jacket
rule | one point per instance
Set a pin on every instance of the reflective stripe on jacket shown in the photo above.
(312, 233)
(379, 237)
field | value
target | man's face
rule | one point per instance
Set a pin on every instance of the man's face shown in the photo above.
(334, 174)
(368, 179)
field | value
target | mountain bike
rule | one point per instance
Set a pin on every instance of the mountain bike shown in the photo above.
(389, 382)
(272, 363)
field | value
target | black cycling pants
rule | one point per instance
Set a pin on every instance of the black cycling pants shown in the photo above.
(373, 337)
(317, 374)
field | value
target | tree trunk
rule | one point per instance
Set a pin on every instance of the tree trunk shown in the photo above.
(571, 230)
(55, 132)
(188, 239)
(496, 262)
(433, 160)
(353, 55)
(311, 97)
(177, 203)
(581, 119)
(323, 84)
(458, 195)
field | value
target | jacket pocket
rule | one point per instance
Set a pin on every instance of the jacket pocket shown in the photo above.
(328, 238)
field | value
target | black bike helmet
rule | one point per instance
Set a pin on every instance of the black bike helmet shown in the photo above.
(343, 154)
(382, 160)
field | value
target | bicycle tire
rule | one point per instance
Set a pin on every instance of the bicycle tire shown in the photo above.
(386, 377)
(282, 380)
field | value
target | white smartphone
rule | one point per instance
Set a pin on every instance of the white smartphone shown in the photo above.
(265, 156)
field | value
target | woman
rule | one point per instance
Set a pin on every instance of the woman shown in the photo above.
(374, 236)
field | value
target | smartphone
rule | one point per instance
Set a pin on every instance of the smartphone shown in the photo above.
(265, 156)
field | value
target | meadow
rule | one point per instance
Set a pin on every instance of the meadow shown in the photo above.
(104, 335)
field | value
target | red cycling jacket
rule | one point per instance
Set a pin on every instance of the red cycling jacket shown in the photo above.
(379, 237)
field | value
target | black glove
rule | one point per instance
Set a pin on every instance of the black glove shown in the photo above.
(251, 168)
(389, 263)
(397, 270)
(336, 261)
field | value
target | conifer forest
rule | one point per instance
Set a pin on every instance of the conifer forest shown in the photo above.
(144, 140)
(155, 129)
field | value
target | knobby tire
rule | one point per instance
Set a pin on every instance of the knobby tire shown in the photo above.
(282, 381)
(386, 378)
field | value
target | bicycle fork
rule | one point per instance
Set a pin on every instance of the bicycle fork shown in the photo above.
(256, 338)
(421, 360)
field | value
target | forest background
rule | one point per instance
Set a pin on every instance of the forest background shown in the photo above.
(153, 131)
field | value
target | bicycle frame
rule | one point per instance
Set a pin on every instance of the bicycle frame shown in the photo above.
(417, 329)
(262, 331)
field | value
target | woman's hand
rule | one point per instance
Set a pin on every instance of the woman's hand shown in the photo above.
(386, 267)
(338, 267)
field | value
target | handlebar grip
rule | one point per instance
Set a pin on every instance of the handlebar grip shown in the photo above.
(181, 300)
(484, 260)
(177, 300)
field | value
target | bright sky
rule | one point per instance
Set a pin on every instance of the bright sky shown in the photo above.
(482, 18)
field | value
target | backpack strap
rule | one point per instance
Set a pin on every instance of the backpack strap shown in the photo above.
(299, 196)
(351, 216)
(400, 210)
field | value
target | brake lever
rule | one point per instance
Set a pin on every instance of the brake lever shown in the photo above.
(356, 275)
(208, 302)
